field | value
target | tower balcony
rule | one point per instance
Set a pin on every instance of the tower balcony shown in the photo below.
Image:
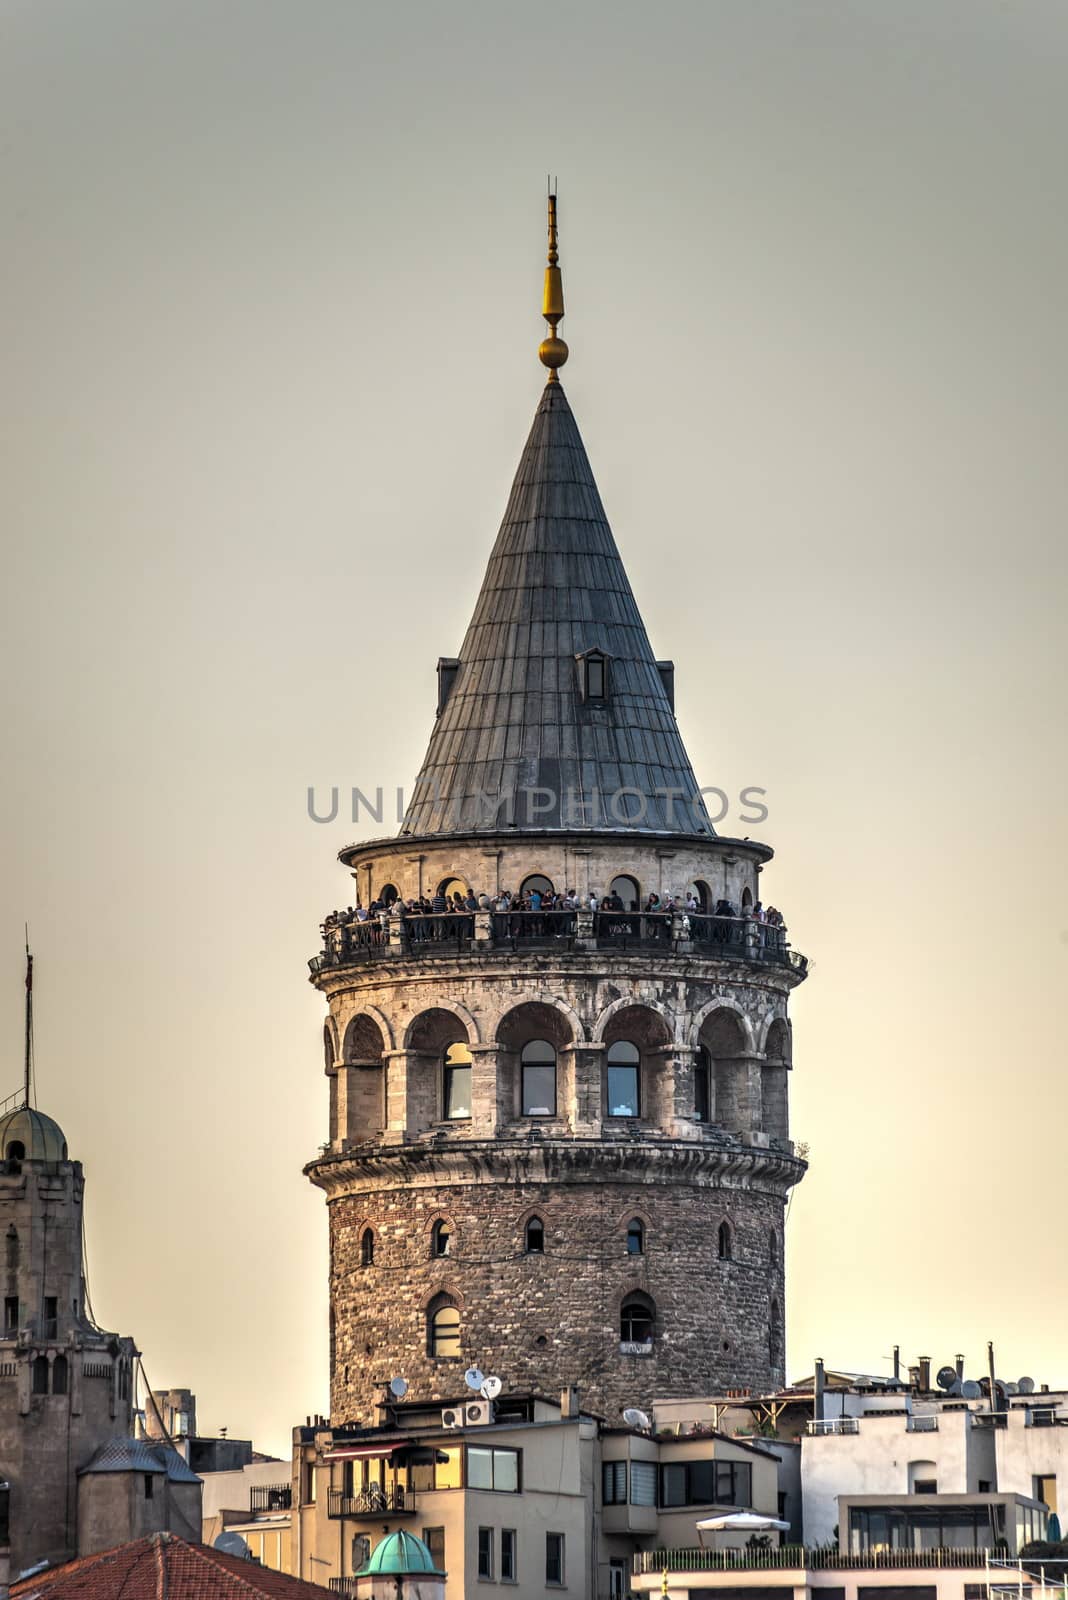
(396, 936)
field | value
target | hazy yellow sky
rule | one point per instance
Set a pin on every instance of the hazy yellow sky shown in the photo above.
(270, 313)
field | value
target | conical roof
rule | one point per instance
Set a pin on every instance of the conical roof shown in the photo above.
(521, 738)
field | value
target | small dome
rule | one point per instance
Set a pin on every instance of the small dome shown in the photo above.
(28, 1135)
(399, 1552)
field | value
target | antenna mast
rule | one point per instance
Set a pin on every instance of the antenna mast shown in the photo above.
(29, 1017)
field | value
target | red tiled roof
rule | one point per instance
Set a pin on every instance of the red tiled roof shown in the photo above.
(163, 1567)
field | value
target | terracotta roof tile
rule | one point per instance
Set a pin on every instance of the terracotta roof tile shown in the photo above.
(162, 1565)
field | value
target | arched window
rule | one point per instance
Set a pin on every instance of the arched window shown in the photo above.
(635, 1237)
(637, 1316)
(699, 890)
(534, 1237)
(59, 1375)
(450, 886)
(775, 1334)
(624, 1071)
(702, 1085)
(537, 881)
(627, 890)
(443, 1329)
(16, 1150)
(538, 1064)
(773, 1246)
(367, 1248)
(456, 1082)
(39, 1383)
(747, 901)
(725, 1242)
(441, 1238)
(388, 893)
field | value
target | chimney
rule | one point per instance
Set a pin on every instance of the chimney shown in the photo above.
(817, 1391)
(914, 1377)
(925, 1374)
(569, 1402)
(897, 1363)
(993, 1380)
(959, 1364)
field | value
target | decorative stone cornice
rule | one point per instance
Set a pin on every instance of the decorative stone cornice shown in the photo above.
(534, 1160)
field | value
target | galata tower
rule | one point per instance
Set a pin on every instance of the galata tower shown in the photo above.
(557, 1045)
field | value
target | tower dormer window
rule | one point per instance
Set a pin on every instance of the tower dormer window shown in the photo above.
(593, 676)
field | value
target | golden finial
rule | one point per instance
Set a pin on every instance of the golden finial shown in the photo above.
(552, 352)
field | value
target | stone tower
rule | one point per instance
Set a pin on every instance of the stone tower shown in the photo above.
(559, 1142)
(66, 1386)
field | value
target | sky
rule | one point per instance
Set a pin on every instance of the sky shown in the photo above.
(272, 279)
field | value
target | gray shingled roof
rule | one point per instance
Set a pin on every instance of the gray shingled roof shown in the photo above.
(515, 719)
(138, 1455)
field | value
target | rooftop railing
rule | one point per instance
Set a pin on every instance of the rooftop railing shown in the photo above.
(401, 935)
(271, 1497)
(818, 1427)
(797, 1557)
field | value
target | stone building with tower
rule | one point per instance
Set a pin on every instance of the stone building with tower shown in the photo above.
(72, 1478)
(559, 1142)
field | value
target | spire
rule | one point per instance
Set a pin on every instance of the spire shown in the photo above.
(29, 1020)
(556, 711)
(552, 352)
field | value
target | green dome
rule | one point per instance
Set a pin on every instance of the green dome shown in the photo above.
(28, 1135)
(399, 1552)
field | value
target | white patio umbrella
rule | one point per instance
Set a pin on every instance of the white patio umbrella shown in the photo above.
(741, 1522)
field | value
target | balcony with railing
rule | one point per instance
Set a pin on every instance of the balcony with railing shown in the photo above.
(371, 1502)
(403, 935)
(271, 1497)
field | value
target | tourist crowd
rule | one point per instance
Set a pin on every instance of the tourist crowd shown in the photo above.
(537, 913)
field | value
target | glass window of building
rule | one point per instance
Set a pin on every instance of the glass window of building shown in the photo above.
(554, 1560)
(635, 1237)
(509, 1565)
(485, 1552)
(534, 1237)
(443, 1329)
(624, 1066)
(636, 1318)
(456, 1085)
(492, 1469)
(538, 1071)
(614, 1483)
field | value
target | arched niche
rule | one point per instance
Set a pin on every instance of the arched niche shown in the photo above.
(775, 1093)
(731, 1093)
(636, 1031)
(531, 1039)
(432, 1037)
(360, 1082)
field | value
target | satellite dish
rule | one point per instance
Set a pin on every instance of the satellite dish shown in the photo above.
(1012, 1388)
(491, 1388)
(398, 1388)
(957, 1386)
(473, 1378)
(231, 1544)
(1026, 1385)
(947, 1377)
(970, 1389)
(635, 1418)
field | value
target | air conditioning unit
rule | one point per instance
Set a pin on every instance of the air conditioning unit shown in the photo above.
(478, 1413)
(453, 1417)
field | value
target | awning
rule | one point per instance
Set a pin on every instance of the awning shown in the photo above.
(361, 1452)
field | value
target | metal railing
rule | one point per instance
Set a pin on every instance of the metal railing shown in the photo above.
(799, 1558)
(342, 1585)
(370, 1502)
(271, 1497)
(826, 1425)
(400, 935)
(1046, 1417)
(923, 1424)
